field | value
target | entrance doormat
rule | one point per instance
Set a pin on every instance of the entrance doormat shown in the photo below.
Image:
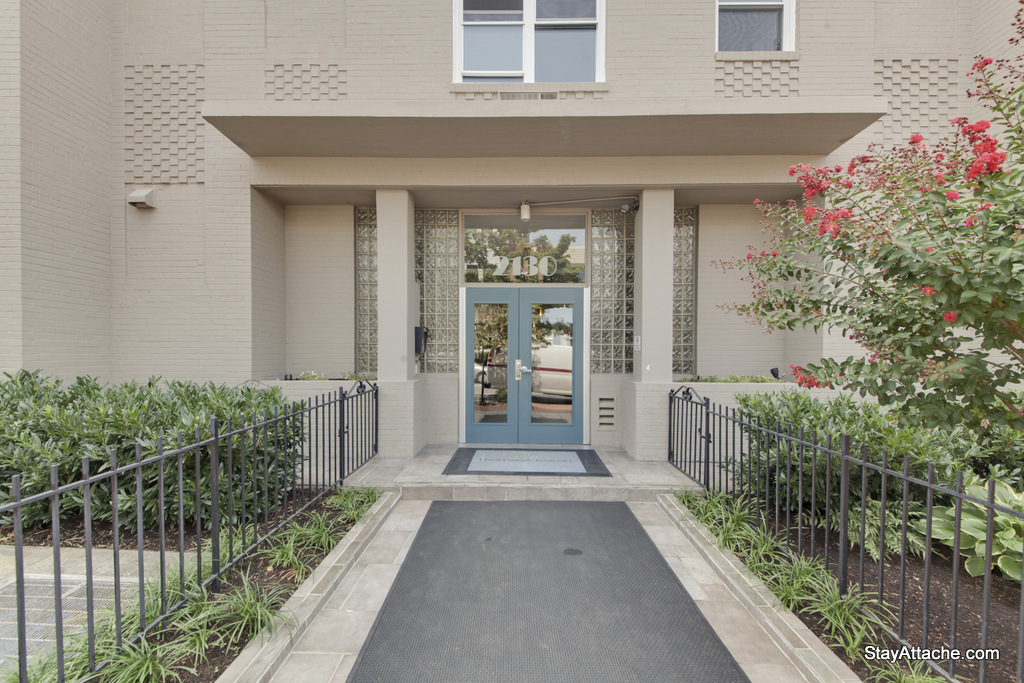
(580, 462)
(539, 591)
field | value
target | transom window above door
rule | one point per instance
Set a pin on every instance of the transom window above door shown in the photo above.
(529, 41)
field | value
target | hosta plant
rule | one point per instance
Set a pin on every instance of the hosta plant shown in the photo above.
(1007, 536)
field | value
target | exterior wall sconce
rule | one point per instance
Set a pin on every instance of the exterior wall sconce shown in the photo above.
(524, 212)
(142, 199)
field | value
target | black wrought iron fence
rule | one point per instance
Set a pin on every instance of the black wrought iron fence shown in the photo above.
(191, 512)
(943, 557)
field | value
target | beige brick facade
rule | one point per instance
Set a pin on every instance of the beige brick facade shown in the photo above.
(245, 268)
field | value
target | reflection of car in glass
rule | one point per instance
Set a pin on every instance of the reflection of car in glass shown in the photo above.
(552, 372)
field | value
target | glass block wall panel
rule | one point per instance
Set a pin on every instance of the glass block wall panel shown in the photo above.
(684, 295)
(611, 291)
(366, 291)
(437, 274)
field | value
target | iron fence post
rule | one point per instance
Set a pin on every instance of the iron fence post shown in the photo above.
(376, 417)
(215, 503)
(844, 516)
(19, 576)
(342, 433)
(707, 444)
(671, 422)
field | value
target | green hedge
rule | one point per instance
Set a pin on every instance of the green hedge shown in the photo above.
(45, 422)
(997, 454)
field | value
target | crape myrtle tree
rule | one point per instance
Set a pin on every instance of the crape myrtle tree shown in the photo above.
(917, 254)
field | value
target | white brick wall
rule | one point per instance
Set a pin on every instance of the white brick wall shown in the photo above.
(320, 290)
(728, 344)
(268, 288)
(65, 156)
(440, 400)
(11, 304)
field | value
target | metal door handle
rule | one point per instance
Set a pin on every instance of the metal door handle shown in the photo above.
(520, 370)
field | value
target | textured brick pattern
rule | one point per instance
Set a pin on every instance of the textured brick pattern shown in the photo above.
(612, 263)
(437, 274)
(922, 93)
(305, 82)
(684, 294)
(163, 128)
(761, 78)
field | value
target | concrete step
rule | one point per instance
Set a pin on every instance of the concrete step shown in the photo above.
(531, 492)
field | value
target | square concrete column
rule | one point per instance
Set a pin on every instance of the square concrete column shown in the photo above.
(397, 295)
(402, 418)
(645, 409)
(653, 286)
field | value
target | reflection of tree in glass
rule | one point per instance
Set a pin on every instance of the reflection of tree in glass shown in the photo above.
(491, 330)
(491, 333)
(482, 247)
(544, 328)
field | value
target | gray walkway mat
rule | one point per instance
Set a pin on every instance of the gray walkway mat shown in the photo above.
(575, 462)
(539, 591)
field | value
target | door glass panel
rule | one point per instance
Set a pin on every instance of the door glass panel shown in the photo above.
(551, 393)
(490, 363)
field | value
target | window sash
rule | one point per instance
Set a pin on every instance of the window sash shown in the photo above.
(530, 24)
(787, 23)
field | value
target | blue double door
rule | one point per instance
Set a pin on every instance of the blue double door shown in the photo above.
(524, 355)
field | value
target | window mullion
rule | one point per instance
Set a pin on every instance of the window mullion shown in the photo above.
(529, 50)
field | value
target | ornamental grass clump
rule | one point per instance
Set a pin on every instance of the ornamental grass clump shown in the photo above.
(800, 583)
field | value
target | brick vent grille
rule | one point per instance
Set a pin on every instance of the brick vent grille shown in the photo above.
(163, 128)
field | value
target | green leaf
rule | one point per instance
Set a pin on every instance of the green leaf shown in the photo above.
(1010, 566)
(975, 565)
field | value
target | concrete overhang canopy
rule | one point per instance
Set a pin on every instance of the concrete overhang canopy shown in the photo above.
(546, 128)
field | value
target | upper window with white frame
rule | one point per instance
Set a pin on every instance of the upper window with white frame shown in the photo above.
(529, 41)
(755, 25)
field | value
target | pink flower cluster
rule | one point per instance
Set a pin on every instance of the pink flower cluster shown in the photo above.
(987, 157)
(805, 379)
(813, 180)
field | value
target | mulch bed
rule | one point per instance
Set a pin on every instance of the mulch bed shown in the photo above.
(1003, 609)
